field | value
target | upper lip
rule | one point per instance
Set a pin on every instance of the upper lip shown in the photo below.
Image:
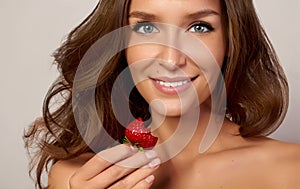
(174, 79)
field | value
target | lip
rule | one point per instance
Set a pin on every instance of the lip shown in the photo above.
(172, 86)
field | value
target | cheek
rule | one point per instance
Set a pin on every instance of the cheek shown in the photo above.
(140, 52)
(219, 55)
(143, 88)
(217, 46)
(130, 55)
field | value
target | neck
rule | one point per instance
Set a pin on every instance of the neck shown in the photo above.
(177, 134)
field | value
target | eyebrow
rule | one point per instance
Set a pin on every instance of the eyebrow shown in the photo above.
(142, 15)
(196, 15)
(202, 13)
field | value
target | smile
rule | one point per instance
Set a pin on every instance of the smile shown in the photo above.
(172, 86)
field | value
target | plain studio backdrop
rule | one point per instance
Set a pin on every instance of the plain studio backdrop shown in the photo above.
(30, 32)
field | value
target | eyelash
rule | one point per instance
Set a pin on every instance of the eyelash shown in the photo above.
(208, 27)
(139, 25)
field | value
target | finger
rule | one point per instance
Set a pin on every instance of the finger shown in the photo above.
(123, 168)
(137, 176)
(145, 183)
(103, 160)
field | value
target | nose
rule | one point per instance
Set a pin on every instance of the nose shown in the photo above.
(172, 58)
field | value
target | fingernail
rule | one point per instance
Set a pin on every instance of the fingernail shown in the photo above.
(154, 163)
(150, 154)
(150, 179)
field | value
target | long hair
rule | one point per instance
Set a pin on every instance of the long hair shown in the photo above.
(257, 97)
(257, 90)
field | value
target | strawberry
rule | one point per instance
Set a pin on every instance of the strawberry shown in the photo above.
(137, 135)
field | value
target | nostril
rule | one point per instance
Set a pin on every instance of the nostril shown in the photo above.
(173, 56)
(169, 65)
(173, 64)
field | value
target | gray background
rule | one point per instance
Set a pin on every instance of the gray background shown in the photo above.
(31, 30)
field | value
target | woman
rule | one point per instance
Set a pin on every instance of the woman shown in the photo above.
(241, 156)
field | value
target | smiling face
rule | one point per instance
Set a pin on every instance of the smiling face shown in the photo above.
(181, 42)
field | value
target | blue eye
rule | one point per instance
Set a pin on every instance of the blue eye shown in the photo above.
(145, 28)
(201, 27)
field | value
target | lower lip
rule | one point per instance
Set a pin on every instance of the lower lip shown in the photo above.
(172, 90)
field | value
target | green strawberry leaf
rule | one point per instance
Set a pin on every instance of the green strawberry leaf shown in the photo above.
(137, 144)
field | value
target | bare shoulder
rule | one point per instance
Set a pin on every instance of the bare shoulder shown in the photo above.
(285, 158)
(278, 152)
(61, 171)
(290, 152)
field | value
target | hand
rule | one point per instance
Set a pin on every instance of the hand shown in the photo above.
(122, 166)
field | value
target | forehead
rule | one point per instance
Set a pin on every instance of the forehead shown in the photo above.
(176, 7)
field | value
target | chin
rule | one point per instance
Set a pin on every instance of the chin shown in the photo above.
(174, 112)
(174, 105)
(171, 107)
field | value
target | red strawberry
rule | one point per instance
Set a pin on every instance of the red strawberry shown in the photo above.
(136, 134)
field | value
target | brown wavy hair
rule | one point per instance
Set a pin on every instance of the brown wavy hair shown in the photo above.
(257, 90)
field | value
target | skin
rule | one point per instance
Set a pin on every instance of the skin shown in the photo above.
(174, 62)
(231, 162)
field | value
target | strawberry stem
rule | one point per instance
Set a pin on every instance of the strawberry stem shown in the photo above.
(126, 141)
(140, 148)
(137, 144)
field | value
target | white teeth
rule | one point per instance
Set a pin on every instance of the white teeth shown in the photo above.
(172, 84)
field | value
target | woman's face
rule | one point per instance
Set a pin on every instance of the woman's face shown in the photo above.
(164, 67)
